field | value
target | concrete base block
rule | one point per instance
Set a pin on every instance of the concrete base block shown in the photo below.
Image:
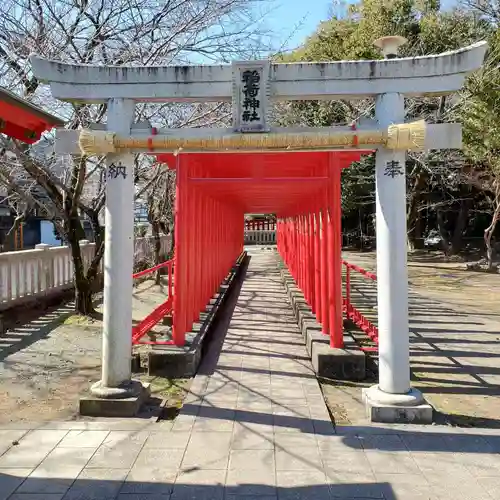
(342, 364)
(93, 406)
(348, 363)
(182, 362)
(312, 334)
(410, 408)
(173, 361)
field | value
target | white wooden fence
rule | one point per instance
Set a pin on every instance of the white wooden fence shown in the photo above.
(46, 270)
(260, 237)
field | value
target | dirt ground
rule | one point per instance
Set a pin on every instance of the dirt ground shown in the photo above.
(449, 282)
(454, 341)
(48, 362)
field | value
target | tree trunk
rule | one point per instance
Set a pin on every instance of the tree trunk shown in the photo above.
(155, 227)
(83, 298)
(171, 252)
(83, 288)
(460, 225)
(445, 237)
(414, 236)
(488, 233)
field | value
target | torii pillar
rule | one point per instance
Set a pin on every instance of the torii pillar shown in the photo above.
(117, 394)
(392, 399)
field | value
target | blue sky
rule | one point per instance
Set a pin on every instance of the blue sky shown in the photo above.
(293, 20)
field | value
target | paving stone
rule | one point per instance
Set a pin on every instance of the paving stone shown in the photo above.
(209, 440)
(184, 423)
(406, 486)
(304, 458)
(168, 460)
(97, 484)
(347, 485)
(424, 443)
(24, 457)
(247, 439)
(43, 438)
(382, 442)
(149, 480)
(250, 497)
(329, 445)
(10, 480)
(207, 424)
(449, 467)
(491, 485)
(199, 458)
(244, 482)
(252, 460)
(287, 479)
(285, 423)
(36, 496)
(200, 485)
(50, 479)
(142, 496)
(121, 456)
(83, 439)
(258, 427)
(467, 444)
(8, 437)
(401, 462)
(133, 437)
(354, 462)
(167, 440)
(302, 485)
(198, 493)
(71, 457)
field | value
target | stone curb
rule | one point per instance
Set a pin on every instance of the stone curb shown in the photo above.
(183, 362)
(348, 363)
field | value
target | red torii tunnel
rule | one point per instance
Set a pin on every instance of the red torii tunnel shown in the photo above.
(215, 190)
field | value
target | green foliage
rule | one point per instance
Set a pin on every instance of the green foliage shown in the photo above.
(437, 179)
(481, 112)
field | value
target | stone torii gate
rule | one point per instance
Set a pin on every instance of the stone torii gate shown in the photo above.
(389, 81)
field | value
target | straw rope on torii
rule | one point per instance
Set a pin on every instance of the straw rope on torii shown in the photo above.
(398, 137)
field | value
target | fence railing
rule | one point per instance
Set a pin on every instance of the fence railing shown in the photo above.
(145, 325)
(260, 237)
(260, 232)
(260, 225)
(358, 308)
(33, 274)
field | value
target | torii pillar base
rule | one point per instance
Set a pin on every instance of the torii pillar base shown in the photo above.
(125, 401)
(409, 408)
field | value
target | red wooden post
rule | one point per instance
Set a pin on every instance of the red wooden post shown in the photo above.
(301, 252)
(324, 274)
(317, 268)
(336, 317)
(310, 260)
(191, 265)
(179, 307)
(170, 279)
(305, 288)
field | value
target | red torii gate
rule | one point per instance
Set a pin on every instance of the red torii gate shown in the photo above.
(213, 193)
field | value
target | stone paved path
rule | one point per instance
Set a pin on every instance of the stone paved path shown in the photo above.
(255, 427)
